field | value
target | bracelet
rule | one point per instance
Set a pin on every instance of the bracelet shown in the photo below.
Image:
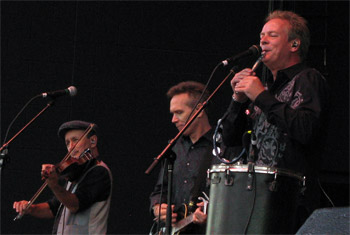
(233, 98)
(236, 101)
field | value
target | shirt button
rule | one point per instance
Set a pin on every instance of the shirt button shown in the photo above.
(192, 147)
(185, 181)
(187, 163)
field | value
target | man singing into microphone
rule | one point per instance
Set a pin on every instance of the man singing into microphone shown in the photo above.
(82, 206)
(287, 107)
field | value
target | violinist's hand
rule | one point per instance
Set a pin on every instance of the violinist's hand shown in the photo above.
(20, 206)
(199, 217)
(163, 210)
(48, 173)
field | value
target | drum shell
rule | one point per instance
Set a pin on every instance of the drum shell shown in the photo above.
(272, 209)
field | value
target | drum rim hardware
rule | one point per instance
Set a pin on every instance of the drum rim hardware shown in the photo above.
(257, 169)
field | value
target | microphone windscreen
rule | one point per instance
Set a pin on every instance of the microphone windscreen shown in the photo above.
(72, 90)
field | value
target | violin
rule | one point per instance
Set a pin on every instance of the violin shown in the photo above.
(70, 165)
(64, 166)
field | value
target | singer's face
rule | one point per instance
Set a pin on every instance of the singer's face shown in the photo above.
(72, 137)
(274, 42)
(180, 109)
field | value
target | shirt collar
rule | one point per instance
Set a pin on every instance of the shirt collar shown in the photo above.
(284, 75)
(206, 137)
(292, 71)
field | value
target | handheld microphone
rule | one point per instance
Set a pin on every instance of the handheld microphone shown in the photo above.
(258, 62)
(253, 50)
(71, 91)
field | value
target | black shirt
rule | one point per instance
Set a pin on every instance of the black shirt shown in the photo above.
(189, 158)
(189, 174)
(289, 120)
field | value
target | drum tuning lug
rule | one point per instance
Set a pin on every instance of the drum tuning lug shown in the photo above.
(229, 178)
(250, 182)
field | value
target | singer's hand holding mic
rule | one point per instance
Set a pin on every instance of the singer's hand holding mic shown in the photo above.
(238, 92)
(246, 84)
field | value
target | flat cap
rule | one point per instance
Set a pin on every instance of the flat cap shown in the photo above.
(76, 125)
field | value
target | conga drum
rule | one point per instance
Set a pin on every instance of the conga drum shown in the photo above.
(252, 199)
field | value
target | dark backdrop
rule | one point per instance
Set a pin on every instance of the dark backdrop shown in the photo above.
(122, 57)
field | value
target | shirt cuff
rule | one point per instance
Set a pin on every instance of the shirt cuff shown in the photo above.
(265, 100)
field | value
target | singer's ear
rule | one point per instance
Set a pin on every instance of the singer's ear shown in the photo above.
(93, 140)
(295, 45)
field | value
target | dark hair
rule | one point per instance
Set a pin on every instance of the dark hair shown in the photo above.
(299, 29)
(193, 89)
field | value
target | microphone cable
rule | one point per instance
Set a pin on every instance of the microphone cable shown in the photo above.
(253, 204)
(216, 152)
(15, 118)
(204, 90)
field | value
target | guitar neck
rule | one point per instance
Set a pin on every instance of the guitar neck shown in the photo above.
(181, 224)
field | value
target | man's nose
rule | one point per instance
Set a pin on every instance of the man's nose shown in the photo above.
(70, 146)
(263, 40)
(174, 119)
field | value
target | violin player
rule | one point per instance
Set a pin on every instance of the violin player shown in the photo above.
(82, 205)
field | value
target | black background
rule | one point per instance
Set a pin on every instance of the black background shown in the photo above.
(123, 57)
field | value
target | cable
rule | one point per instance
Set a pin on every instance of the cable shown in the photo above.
(204, 90)
(74, 49)
(19, 113)
(324, 192)
(253, 204)
(217, 154)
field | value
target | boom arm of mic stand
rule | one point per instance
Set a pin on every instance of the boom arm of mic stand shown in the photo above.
(173, 141)
(49, 104)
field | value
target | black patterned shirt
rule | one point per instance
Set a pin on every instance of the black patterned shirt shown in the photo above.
(289, 120)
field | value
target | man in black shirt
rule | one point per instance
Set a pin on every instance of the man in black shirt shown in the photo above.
(193, 157)
(287, 111)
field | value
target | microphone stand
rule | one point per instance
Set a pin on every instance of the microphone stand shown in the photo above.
(49, 104)
(4, 152)
(165, 154)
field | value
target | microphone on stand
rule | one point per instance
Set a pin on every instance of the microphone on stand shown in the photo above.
(71, 91)
(252, 51)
